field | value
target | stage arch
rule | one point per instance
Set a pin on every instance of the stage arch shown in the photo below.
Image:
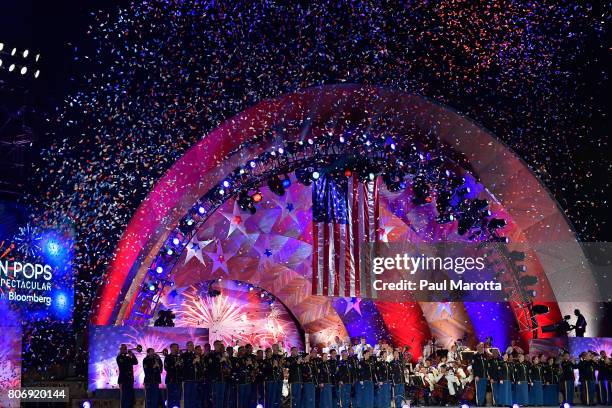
(511, 189)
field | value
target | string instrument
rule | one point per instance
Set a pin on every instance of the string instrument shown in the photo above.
(440, 388)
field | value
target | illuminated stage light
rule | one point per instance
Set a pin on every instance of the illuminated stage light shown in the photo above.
(13, 52)
(152, 287)
(310, 141)
(11, 67)
(465, 406)
(159, 269)
(0, 62)
(286, 182)
(565, 405)
(281, 150)
(259, 406)
(1, 46)
(516, 406)
(257, 197)
(315, 175)
(221, 191)
(170, 251)
(53, 247)
(25, 53)
(252, 164)
(201, 210)
(86, 404)
(275, 185)
(348, 173)
(176, 241)
(342, 140)
(23, 70)
(37, 73)
(226, 183)
(392, 146)
(37, 57)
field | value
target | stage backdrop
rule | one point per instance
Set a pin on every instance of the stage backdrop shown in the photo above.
(104, 342)
(10, 364)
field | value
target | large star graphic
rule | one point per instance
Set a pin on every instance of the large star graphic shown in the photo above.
(443, 307)
(353, 304)
(194, 249)
(286, 206)
(236, 219)
(219, 258)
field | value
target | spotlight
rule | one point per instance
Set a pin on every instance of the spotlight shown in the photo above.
(348, 173)
(315, 175)
(257, 197)
(152, 287)
(528, 280)
(565, 405)
(245, 202)
(303, 177)
(13, 52)
(342, 140)
(286, 182)
(281, 150)
(23, 70)
(259, 406)
(497, 223)
(11, 67)
(169, 252)
(176, 241)
(37, 73)
(465, 406)
(516, 406)
(1, 46)
(86, 404)
(0, 62)
(201, 210)
(226, 183)
(159, 269)
(37, 57)
(25, 53)
(221, 191)
(275, 185)
(252, 164)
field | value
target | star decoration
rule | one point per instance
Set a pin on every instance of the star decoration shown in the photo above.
(289, 207)
(219, 258)
(353, 304)
(268, 252)
(383, 232)
(194, 249)
(236, 220)
(443, 307)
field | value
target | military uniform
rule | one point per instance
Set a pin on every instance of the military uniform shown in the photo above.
(586, 372)
(174, 373)
(398, 380)
(382, 376)
(479, 368)
(567, 381)
(520, 392)
(294, 366)
(364, 387)
(536, 392)
(550, 378)
(126, 363)
(152, 367)
(345, 377)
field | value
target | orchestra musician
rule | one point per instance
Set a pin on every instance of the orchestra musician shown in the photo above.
(126, 360)
(152, 367)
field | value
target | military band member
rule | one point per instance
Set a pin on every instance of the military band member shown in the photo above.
(586, 372)
(126, 362)
(505, 377)
(536, 392)
(479, 367)
(325, 382)
(550, 375)
(364, 387)
(174, 371)
(332, 362)
(345, 377)
(190, 396)
(398, 378)
(382, 377)
(520, 394)
(217, 364)
(152, 367)
(602, 375)
(273, 378)
(309, 376)
(567, 378)
(199, 363)
(294, 368)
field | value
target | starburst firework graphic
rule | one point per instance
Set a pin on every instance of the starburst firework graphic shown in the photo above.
(224, 317)
(28, 241)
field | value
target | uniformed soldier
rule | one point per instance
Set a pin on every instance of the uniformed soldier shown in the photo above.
(174, 371)
(567, 378)
(398, 378)
(217, 365)
(550, 375)
(200, 377)
(479, 367)
(364, 388)
(536, 392)
(602, 375)
(152, 367)
(520, 394)
(586, 372)
(345, 377)
(325, 382)
(382, 376)
(190, 394)
(242, 376)
(309, 376)
(126, 360)
(295, 378)
(273, 377)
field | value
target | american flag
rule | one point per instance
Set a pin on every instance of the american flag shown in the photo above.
(345, 222)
